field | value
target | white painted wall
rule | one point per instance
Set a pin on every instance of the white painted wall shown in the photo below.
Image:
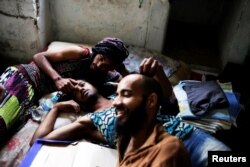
(89, 21)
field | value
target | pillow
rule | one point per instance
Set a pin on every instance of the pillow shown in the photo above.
(216, 119)
(136, 55)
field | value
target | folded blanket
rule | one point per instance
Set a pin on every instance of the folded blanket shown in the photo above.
(204, 96)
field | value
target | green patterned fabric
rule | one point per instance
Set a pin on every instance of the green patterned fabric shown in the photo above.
(16, 100)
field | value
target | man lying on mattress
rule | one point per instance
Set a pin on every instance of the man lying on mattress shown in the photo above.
(100, 123)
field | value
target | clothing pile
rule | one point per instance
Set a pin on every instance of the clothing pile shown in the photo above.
(208, 105)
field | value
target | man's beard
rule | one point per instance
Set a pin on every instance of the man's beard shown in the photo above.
(134, 122)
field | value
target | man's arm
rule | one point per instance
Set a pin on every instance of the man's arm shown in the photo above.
(81, 128)
(45, 129)
(43, 61)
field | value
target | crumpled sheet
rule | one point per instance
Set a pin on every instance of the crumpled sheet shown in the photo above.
(137, 54)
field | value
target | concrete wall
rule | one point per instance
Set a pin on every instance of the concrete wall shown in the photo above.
(27, 26)
(18, 29)
(232, 17)
(44, 24)
(90, 21)
(204, 12)
(235, 33)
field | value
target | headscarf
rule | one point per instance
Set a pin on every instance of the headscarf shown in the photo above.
(114, 48)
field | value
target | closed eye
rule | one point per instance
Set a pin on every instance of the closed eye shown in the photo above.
(126, 93)
(81, 84)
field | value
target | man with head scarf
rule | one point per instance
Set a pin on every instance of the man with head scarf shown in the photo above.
(113, 48)
(96, 65)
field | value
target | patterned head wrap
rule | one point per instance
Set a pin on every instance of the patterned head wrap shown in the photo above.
(114, 48)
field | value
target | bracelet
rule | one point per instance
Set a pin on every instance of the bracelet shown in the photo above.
(57, 79)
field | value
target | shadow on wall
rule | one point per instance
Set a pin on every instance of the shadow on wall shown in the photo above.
(7, 61)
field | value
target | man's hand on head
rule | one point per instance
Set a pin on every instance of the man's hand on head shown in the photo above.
(66, 85)
(150, 67)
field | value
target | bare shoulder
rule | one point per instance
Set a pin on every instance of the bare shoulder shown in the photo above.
(65, 53)
(73, 48)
